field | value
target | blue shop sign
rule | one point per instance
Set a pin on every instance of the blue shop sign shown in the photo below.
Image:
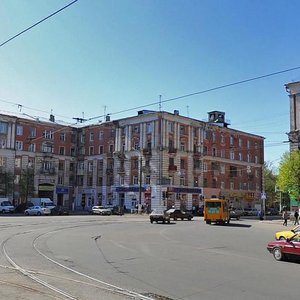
(62, 190)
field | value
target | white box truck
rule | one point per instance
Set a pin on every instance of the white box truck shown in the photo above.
(43, 202)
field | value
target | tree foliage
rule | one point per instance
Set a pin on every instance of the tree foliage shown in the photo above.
(289, 174)
(270, 184)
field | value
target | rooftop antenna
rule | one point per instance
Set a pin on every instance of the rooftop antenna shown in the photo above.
(20, 106)
(80, 120)
(159, 103)
(104, 115)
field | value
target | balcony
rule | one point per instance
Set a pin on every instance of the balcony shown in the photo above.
(172, 168)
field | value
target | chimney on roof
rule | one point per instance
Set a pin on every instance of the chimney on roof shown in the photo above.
(52, 118)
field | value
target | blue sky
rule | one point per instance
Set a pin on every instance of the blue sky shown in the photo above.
(111, 55)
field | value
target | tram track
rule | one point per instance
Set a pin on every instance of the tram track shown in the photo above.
(85, 280)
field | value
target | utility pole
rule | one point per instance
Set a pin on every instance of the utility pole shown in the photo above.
(140, 184)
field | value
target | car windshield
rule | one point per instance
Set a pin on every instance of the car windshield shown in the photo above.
(6, 203)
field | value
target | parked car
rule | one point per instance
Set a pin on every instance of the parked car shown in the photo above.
(59, 211)
(235, 213)
(101, 210)
(179, 214)
(6, 207)
(272, 212)
(285, 249)
(159, 216)
(37, 211)
(250, 212)
(286, 234)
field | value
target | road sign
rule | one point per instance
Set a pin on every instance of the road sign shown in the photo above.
(263, 196)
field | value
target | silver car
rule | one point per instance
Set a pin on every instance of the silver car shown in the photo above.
(37, 211)
(101, 210)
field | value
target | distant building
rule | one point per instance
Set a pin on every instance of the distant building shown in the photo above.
(154, 159)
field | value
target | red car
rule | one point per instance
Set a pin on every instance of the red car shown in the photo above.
(285, 249)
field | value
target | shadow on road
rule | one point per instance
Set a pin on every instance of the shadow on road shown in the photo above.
(233, 225)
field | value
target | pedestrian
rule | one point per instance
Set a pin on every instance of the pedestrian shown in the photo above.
(296, 215)
(285, 218)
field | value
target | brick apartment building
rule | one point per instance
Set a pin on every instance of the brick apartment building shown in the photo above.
(154, 159)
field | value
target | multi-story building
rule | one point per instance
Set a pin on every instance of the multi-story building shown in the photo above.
(154, 159)
(293, 90)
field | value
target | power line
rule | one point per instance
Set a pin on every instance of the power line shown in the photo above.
(201, 92)
(30, 27)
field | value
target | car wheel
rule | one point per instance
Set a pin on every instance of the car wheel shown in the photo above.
(175, 219)
(182, 219)
(164, 221)
(281, 238)
(26, 213)
(208, 222)
(38, 213)
(277, 253)
(151, 221)
(189, 218)
(168, 221)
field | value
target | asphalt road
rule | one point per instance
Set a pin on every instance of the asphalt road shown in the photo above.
(126, 257)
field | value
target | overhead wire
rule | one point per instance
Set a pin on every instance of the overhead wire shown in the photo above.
(37, 23)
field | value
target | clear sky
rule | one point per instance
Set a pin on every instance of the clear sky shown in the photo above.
(106, 56)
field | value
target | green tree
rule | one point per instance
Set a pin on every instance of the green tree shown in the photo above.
(6, 183)
(26, 184)
(270, 185)
(288, 179)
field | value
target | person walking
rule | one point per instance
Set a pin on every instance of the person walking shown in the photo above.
(296, 215)
(285, 218)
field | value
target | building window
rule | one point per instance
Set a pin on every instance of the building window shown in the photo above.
(19, 130)
(46, 147)
(182, 130)
(149, 127)
(32, 132)
(205, 182)
(248, 144)
(90, 166)
(91, 149)
(231, 140)
(62, 136)
(196, 182)
(135, 180)
(248, 157)
(111, 148)
(60, 180)
(100, 149)
(222, 167)
(231, 185)
(48, 134)
(91, 136)
(231, 154)
(213, 137)
(256, 159)
(182, 147)
(73, 152)
(18, 162)
(61, 166)
(147, 180)
(240, 156)
(72, 167)
(204, 166)
(182, 180)
(61, 150)
(214, 183)
(3, 127)
(222, 139)
(2, 143)
(100, 181)
(122, 180)
(19, 145)
(222, 185)
(240, 143)
(222, 153)
(171, 126)
(101, 134)
(90, 181)
(205, 150)
(214, 152)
